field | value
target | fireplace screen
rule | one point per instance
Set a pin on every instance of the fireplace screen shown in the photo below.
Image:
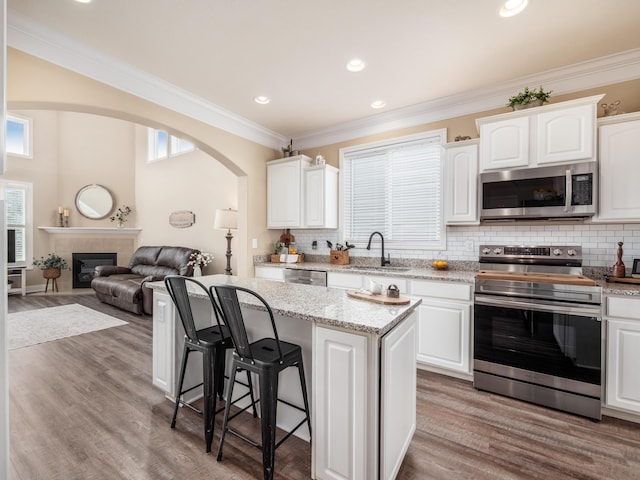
(84, 265)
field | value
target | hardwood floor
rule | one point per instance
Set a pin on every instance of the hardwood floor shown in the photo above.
(84, 408)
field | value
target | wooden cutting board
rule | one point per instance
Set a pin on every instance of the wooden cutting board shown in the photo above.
(623, 280)
(379, 298)
(538, 277)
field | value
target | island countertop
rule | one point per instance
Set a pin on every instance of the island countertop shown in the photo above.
(322, 305)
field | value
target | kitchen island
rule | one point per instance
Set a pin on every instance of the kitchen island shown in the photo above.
(360, 365)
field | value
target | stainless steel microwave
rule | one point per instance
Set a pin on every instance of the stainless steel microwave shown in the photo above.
(545, 192)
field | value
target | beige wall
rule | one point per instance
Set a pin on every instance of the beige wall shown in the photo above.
(628, 93)
(33, 83)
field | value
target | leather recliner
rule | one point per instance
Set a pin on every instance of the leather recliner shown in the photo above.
(124, 287)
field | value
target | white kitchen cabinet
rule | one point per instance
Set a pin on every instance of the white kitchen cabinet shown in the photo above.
(320, 189)
(284, 192)
(353, 370)
(164, 335)
(557, 133)
(461, 183)
(623, 353)
(357, 280)
(566, 135)
(351, 281)
(504, 144)
(270, 273)
(619, 142)
(444, 326)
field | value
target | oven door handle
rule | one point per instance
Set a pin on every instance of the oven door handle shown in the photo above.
(583, 311)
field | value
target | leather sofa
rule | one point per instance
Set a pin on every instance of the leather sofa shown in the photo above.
(124, 287)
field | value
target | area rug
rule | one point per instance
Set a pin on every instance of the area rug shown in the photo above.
(47, 324)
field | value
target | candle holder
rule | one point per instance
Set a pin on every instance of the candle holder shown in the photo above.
(60, 220)
(65, 221)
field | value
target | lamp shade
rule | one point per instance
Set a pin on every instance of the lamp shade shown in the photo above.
(226, 219)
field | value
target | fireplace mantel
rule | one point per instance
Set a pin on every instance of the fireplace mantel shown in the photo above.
(91, 230)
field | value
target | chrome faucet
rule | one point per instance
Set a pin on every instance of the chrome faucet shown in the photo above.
(383, 261)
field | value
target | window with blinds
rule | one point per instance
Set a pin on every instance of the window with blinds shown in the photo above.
(16, 204)
(395, 188)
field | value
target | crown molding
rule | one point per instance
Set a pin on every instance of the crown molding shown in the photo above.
(35, 39)
(596, 73)
(30, 37)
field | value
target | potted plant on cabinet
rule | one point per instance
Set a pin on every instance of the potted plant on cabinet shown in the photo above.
(529, 98)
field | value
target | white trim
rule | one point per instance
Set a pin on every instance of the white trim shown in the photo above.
(35, 39)
(620, 67)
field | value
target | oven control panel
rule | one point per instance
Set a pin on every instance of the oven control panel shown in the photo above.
(516, 254)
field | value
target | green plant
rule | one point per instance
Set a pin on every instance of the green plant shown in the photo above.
(52, 260)
(527, 96)
(122, 214)
(279, 247)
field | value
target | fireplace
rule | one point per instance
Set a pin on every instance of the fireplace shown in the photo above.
(84, 264)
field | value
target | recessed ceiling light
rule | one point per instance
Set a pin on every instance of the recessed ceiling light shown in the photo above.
(262, 100)
(378, 104)
(512, 7)
(355, 65)
(83, 1)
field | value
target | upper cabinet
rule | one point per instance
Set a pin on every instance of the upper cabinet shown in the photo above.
(460, 193)
(558, 133)
(619, 143)
(300, 195)
(320, 187)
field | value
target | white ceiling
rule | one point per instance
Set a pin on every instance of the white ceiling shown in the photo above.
(224, 53)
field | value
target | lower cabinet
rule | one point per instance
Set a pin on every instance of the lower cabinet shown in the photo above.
(270, 273)
(364, 401)
(444, 326)
(623, 353)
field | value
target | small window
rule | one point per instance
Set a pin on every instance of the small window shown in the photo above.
(162, 145)
(18, 139)
(18, 205)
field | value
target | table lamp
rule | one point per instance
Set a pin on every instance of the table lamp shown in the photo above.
(227, 220)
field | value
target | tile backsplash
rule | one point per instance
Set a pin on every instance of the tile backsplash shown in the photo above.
(599, 241)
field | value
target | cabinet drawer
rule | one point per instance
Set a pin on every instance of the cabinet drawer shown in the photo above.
(452, 290)
(623, 307)
(270, 273)
(344, 280)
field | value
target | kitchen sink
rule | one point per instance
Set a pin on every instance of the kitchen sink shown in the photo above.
(378, 269)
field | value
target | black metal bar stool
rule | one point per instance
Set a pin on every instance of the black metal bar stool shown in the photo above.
(266, 357)
(212, 342)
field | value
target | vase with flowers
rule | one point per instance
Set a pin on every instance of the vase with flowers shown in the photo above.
(199, 260)
(121, 215)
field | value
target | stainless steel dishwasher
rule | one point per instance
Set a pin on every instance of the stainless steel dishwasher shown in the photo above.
(306, 277)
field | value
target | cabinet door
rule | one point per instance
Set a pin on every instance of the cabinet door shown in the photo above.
(164, 334)
(270, 273)
(619, 171)
(321, 197)
(339, 394)
(504, 144)
(623, 358)
(566, 135)
(444, 335)
(284, 195)
(461, 185)
(398, 396)
(344, 280)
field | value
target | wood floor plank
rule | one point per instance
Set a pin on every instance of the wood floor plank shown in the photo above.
(84, 408)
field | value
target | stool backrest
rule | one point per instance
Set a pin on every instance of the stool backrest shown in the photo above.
(177, 286)
(230, 306)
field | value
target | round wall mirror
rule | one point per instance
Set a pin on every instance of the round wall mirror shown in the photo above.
(94, 201)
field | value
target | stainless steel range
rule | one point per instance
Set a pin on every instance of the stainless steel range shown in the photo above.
(537, 328)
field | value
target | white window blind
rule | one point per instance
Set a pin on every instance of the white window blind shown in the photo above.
(16, 211)
(395, 189)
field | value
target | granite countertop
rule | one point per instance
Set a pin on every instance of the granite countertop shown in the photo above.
(424, 273)
(453, 275)
(323, 305)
